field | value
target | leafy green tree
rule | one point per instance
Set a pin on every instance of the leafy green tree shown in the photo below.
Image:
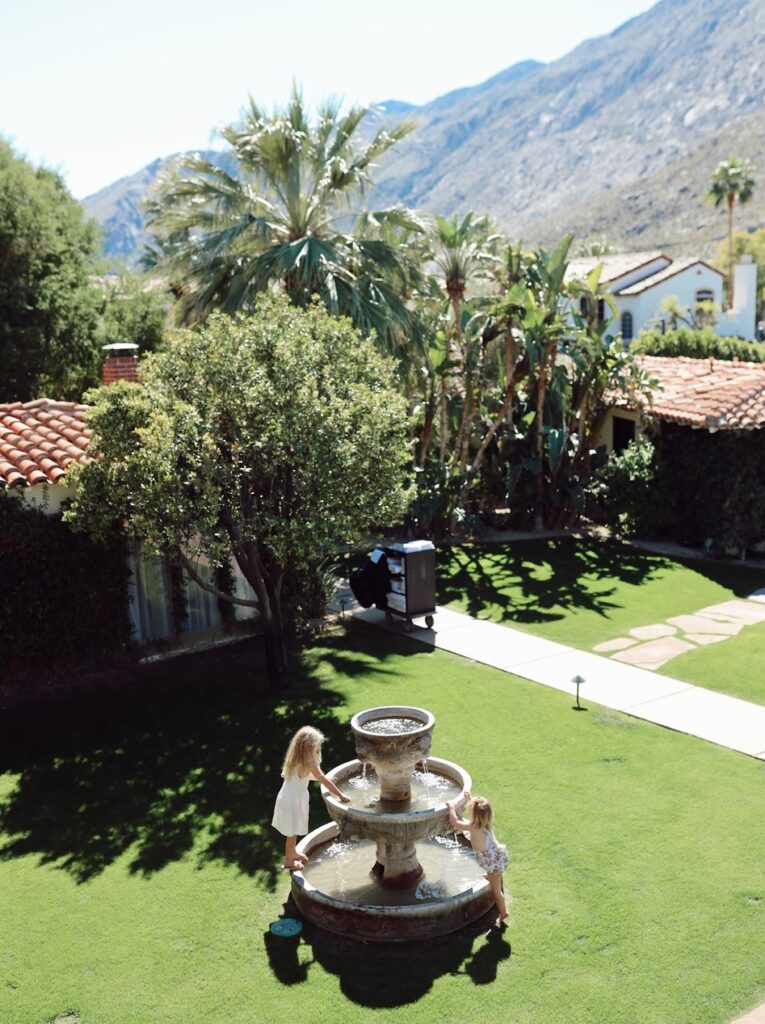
(48, 309)
(286, 211)
(732, 182)
(132, 310)
(266, 438)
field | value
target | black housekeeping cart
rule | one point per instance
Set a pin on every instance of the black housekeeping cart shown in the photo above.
(412, 568)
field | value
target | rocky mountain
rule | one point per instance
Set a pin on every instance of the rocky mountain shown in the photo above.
(616, 139)
(117, 208)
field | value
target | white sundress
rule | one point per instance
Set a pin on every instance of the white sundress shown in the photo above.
(291, 808)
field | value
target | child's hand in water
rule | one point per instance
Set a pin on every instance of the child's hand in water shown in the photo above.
(344, 798)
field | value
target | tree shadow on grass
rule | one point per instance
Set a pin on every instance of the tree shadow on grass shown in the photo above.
(176, 759)
(384, 975)
(537, 581)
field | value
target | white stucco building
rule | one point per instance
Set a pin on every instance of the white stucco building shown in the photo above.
(639, 281)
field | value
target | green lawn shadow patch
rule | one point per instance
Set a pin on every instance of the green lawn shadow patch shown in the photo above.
(180, 759)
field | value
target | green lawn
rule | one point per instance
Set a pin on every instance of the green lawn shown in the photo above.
(582, 593)
(138, 870)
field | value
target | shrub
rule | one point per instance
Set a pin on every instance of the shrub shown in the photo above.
(626, 489)
(63, 602)
(699, 344)
(717, 487)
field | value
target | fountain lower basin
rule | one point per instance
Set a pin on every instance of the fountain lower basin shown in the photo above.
(337, 891)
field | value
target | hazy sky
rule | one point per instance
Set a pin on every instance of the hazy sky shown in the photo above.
(97, 89)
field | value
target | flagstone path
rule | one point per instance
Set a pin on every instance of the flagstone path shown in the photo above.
(632, 689)
(650, 647)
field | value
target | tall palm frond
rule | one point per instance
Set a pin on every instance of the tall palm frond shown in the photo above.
(284, 210)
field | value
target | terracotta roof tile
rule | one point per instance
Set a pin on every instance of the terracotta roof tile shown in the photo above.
(717, 394)
(39, 439)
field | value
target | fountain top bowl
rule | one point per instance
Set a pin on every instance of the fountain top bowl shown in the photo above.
(363, 723)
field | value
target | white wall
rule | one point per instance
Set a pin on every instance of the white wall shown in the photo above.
(683, 286)
(742, 319)
(46, 497)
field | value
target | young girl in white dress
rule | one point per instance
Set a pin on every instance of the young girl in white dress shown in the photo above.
(302, 763)
(491, 855)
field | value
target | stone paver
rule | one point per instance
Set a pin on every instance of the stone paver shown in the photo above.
(654, 653)
(652, 632)
(705, 638)
(738, 611)
(726, 721)
(619, 644)
(704, 624)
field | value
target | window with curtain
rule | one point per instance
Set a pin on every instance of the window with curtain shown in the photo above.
(149, 598)
(201, 606)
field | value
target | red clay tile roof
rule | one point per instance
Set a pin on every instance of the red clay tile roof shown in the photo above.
(39, 440)
(717, 394)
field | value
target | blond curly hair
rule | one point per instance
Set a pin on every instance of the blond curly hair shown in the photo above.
(304, 750)
(481, 815)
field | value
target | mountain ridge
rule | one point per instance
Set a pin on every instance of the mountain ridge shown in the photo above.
(547, 148)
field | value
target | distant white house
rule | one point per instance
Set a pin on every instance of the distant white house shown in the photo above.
(639, 281)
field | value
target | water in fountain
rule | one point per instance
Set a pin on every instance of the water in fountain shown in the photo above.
(340, 869)
(428, 789)
(392, 726)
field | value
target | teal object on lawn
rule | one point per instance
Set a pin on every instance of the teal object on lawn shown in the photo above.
(286, 927)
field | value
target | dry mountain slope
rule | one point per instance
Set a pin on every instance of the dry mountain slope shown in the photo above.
(615, 110)
(669, 209)
(645, 112)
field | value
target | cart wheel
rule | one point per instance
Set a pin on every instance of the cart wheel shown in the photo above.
(429, 621)
(407, 625)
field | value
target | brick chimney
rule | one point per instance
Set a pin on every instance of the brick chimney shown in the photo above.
(121, 362)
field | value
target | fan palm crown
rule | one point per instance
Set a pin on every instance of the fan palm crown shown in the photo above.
(282, 207)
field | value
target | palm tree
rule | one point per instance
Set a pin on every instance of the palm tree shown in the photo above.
(464, 251)
(283, 208)
(731, 182)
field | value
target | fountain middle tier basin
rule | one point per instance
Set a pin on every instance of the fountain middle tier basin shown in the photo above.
(369, 816)
(336, 890)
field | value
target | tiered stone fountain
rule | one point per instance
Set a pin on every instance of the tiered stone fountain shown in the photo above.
(386, 868)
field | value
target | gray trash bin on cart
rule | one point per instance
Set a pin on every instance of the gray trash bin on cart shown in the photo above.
(412, 568)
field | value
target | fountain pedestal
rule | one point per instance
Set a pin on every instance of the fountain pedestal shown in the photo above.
(397, 866)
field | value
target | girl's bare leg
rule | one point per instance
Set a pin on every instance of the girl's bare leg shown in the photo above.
(291, 858)
(494, 878)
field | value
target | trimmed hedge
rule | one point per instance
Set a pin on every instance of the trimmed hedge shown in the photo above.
(63, 599)
(712, 486)
(702, 344)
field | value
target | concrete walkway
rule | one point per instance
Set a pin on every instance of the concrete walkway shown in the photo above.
(726, 721)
